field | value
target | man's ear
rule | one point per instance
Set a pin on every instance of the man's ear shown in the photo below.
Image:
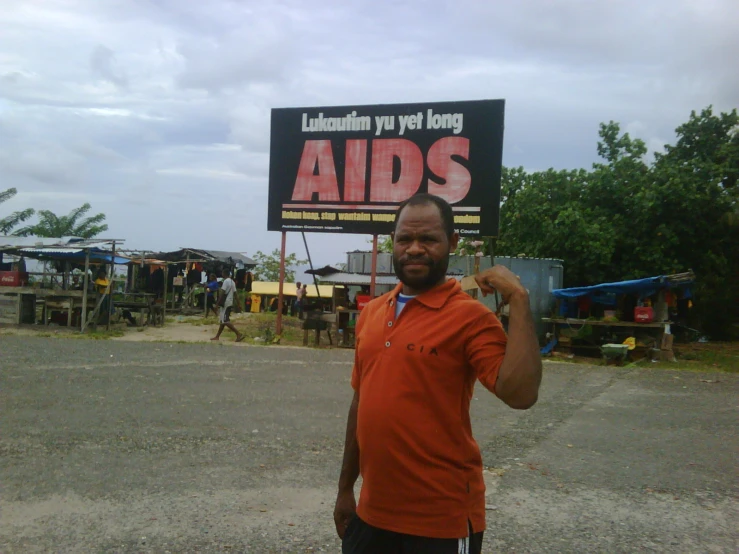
(392, 237)
(453, 242)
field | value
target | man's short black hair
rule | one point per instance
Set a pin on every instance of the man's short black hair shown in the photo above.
(424, 199)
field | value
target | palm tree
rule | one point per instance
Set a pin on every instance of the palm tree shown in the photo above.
(71, 225)
(7, 223)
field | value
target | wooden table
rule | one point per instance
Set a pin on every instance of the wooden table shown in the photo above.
(60, 299)
(141, 302)
(313, 320)
(660, 328)
(343, 317)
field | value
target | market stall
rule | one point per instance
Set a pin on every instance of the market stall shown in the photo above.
(188, 269)
(351, 294)
(638, 313)
(63, 292)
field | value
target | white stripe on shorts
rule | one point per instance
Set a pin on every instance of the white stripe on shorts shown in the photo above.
(464, 546)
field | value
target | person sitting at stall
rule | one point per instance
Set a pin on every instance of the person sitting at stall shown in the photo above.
(76, 283)
(102, 286)
(101, 281)
(179, 285)
(295, 306)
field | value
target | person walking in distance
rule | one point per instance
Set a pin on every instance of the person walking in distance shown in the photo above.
(298, 299)
(225, 303)
(211, 288)
(419, 351)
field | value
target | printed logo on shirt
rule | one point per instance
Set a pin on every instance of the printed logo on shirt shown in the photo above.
(421, 349)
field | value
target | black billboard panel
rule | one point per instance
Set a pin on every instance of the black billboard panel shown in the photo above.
(346, 169)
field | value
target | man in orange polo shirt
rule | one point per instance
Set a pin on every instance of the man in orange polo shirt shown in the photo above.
(419, 351)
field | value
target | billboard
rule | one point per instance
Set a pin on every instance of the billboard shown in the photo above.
(345, 169)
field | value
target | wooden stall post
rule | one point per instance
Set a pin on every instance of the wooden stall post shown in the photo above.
(280, 300)
(186, 289)
(164, 305)
(65, 277)
(85, 284)
(110, 288)
(205, 296)
(373, 276)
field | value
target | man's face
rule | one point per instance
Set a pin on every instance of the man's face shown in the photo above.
(421, 248)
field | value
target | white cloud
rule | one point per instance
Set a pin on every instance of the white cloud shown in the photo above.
(158, 113)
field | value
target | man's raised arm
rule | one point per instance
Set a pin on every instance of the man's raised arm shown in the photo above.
(519, 376)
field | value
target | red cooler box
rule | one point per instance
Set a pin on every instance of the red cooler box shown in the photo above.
(13, 279)
(643, 315)
(362, 301)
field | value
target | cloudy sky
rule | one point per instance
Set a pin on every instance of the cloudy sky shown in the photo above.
(157, 111)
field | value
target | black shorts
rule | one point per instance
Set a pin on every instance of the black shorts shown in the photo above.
(362, 538)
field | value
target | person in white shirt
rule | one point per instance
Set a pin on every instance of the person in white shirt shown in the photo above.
(225, 303)
(298, 300)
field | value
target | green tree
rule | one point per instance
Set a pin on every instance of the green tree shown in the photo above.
(268, 266)
(692, 204)
(384, 244)
(7, 223)
(627, 218)
(71, 225)
(546, 214)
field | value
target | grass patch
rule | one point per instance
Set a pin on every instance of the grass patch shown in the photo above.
(710, 356)
(264, 325)
(101, 334)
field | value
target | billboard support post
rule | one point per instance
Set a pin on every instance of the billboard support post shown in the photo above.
(373, 276)
(280, 299)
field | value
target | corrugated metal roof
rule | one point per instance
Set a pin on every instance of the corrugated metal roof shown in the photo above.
(359, 279)
(44, 242)
(29, 242)
(183, 254)
(51, 250)
(235, 256)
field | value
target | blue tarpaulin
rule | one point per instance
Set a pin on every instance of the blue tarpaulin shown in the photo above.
(642, 287)
(71, 254)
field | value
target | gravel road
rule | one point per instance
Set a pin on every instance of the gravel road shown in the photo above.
(111, 446)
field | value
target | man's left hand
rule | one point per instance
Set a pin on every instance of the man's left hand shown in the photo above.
(500, 278)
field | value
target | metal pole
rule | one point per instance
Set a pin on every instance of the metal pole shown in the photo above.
(310, 262)
(110, 288)
(373, 276)
(282, 280)
(85, 285)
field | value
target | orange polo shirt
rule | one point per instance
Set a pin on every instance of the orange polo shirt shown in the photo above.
(421, 468)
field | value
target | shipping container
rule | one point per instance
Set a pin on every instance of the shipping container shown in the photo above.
(540, 276)
(361, 262)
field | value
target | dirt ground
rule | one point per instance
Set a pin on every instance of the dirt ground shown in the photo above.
(122, 446)
(185, 328)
